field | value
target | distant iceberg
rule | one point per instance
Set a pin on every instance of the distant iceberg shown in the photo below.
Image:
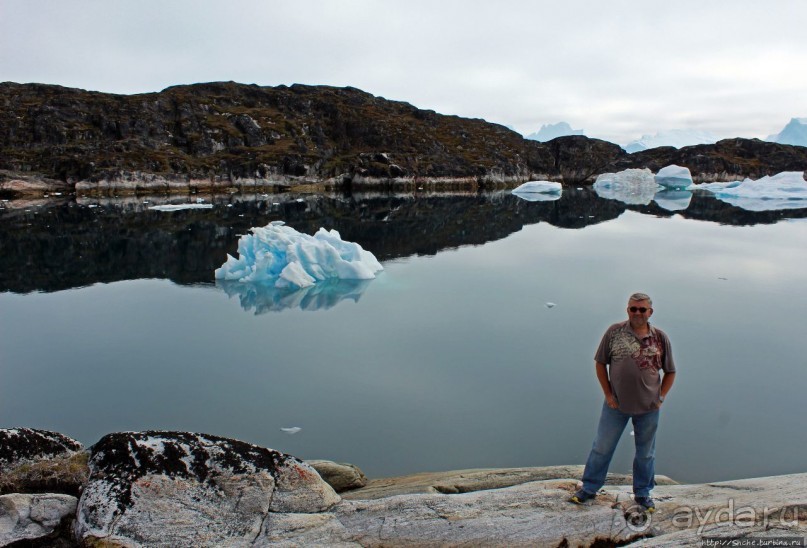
(674, 177)
(631, 186)
(178, 207)
(539, 191)
(280, 256)
(552, 131)
(786, 190)
(794, 133)
(671, 138)
(640, 187)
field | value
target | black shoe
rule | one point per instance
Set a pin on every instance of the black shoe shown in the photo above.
(581, 497)
(647, 503)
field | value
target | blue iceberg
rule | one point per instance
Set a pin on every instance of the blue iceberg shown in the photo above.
(279, 256)
(674, 177)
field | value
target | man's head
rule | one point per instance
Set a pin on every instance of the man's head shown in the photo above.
(640, 308)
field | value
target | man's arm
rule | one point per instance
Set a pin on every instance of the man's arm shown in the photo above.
(666, 384)
(605, 384)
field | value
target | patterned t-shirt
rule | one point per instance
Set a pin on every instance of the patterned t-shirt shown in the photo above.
(634, 364)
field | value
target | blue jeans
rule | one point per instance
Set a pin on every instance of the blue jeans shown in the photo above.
(612, 424)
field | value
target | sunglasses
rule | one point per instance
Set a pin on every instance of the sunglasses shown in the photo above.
(638, 309)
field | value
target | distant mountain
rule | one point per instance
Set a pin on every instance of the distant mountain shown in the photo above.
(551, 131)
(672, 138)
(794, 133)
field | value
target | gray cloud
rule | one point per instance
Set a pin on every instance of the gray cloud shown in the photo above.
(616, 69)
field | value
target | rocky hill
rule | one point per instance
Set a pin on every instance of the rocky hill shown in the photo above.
(245, 131)
(231, 135)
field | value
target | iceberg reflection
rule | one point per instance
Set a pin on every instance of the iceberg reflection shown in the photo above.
(265, 297)
(673, 200)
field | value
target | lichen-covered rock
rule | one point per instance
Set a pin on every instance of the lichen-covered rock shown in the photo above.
(25, 445)
(184, 489)
(31, 517)
(339, 475)
(64, 474)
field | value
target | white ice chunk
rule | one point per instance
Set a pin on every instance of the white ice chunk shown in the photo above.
(542, 187)
(674, 176)
(786, 190)
(539, 191)
(291, 430)
(177, 207)
(551, 305)
(631, 186)
(279, 255)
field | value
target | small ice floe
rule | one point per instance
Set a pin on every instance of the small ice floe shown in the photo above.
(551, 305)
(632, 433)
(229, 205)
(291, 430)
(539, 191)
(631, 186)
(721, 278)
(177, 207)
(299, 200)
(785, 190)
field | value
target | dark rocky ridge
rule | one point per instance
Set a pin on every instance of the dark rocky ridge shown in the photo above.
(229, 130)
(218, 134)
(724, 160)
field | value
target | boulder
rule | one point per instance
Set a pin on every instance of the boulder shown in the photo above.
(341, 476)
(185, 489)
(26, 445)
(26, 517)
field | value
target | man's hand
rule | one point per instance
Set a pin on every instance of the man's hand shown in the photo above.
(611, 401)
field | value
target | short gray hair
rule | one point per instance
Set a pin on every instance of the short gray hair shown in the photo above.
(641, 297)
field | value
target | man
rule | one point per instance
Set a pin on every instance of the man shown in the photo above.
(629, 365)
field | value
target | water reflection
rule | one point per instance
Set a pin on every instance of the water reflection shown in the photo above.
(263, 298)
(51, 245)
(673, 200)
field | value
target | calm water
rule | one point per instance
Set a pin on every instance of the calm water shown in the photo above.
(110, 320)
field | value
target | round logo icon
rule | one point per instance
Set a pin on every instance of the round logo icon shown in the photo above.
(637, 518)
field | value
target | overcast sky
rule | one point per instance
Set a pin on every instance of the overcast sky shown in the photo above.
(615, 69)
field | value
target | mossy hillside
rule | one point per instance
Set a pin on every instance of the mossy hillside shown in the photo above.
(228, 129)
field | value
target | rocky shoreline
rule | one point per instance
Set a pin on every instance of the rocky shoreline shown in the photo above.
(185, 489)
